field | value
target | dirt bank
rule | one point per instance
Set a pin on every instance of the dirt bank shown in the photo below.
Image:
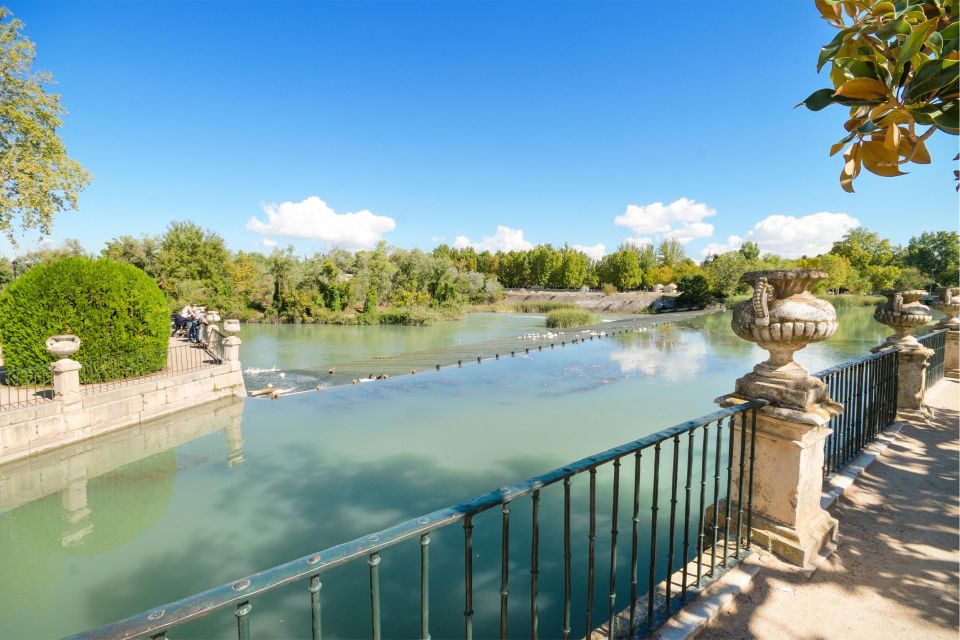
(631, 302)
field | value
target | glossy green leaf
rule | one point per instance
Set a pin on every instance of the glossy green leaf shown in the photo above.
(947, 120)
(819, 99)
(831, 49)
(913, 43)
(893, 28)
(931, 78)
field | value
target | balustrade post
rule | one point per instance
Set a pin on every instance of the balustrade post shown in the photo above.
(231, 344)
(66, 372)
(903, 312)
(783, 317)
(949, 303)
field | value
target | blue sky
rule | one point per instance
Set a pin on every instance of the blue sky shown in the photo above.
(430, 120)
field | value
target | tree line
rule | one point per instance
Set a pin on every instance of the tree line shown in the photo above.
(389, 284)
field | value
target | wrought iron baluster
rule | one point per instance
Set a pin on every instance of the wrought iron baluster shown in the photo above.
(703, 493)
(315, 624)
(673, 517)
(743, 450)
(753, 459)
(504, 569)
(634, 549)
(716, 499)
(468, 577)
(425, 587)
(726, 505)
(566, 558)
(654, 507)
(243, 620)
(534, 565)
(374, 561)
(686, 517)
(613, 550)
(592, 540)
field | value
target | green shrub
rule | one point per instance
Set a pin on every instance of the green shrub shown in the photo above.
(118, 312)
(564, 318)
(608, 289)
(694, 292)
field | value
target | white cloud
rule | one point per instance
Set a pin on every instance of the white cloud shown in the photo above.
(810, 235)
(314, 219)
(663, 218)
(595, 252)
(437, 238)
(716, 248)
(505, 239)
(639, 242)
(268, 243)
(690, 232)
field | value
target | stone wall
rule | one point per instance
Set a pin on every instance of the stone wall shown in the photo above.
(77, 416)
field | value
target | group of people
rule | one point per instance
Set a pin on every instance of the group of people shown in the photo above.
(189, 322)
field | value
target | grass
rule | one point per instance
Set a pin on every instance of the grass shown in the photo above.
(565, 318)
(544, 306)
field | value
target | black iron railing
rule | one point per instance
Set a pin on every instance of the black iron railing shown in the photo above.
(867, 389)
(214, 343)
(937, 341)
(706, 464)
(106, 373)
(20, 388)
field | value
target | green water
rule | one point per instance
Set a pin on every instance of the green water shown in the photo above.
(119, 524)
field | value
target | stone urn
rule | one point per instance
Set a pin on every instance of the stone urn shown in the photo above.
(902, 312)
(62, 346)
(783, 317)
(949, 303)
(231, 326)
(213, 316)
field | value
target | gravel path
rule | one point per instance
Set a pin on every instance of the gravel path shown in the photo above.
(895, 574)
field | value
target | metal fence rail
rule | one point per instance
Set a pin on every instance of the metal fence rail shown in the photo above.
(706, 464)
(111, 372)
(867, 389)
(937, 341)
(21, 388)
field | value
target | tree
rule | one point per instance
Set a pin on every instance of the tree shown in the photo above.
(723, 273)
(694, 291)
(894, 64)
(189, 252)
(621, 269)
(280, 265)
(38, 180)
(750, 251)
(935, 254)
(544, 261)
(141, 253)
(670, 253)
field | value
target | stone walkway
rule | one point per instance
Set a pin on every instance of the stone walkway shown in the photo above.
(895, 574)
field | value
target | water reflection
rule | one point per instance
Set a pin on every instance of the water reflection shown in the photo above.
(673, 352)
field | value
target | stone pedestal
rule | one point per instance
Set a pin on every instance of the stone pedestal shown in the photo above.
(231, 349)
(912, 358)
(66, 380)
(783, 317)
(949, 303)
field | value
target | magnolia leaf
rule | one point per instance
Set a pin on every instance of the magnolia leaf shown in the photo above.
(883, 7)
(921, 155)
(832, 48)
(863, 89)
(829, 11)
(836, 147)
(880, 160)
(892, 138)
(818, 100)
(853, 123)
(879, 111)
(894, 27)
(914, 41)
(931, 78)
(947, 119)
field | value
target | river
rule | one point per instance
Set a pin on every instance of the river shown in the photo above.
(113, 526)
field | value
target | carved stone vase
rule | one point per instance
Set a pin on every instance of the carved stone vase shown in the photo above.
(63, 345)
(902, 312)
(949, 303)
(231, 326)
(783, 317)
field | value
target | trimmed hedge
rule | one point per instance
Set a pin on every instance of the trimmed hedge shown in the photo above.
(116, 309)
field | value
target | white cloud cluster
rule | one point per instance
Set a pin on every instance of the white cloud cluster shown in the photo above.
(505, 239)
(595, 252)
(314, 219)
(682, 220)
(792, 237)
